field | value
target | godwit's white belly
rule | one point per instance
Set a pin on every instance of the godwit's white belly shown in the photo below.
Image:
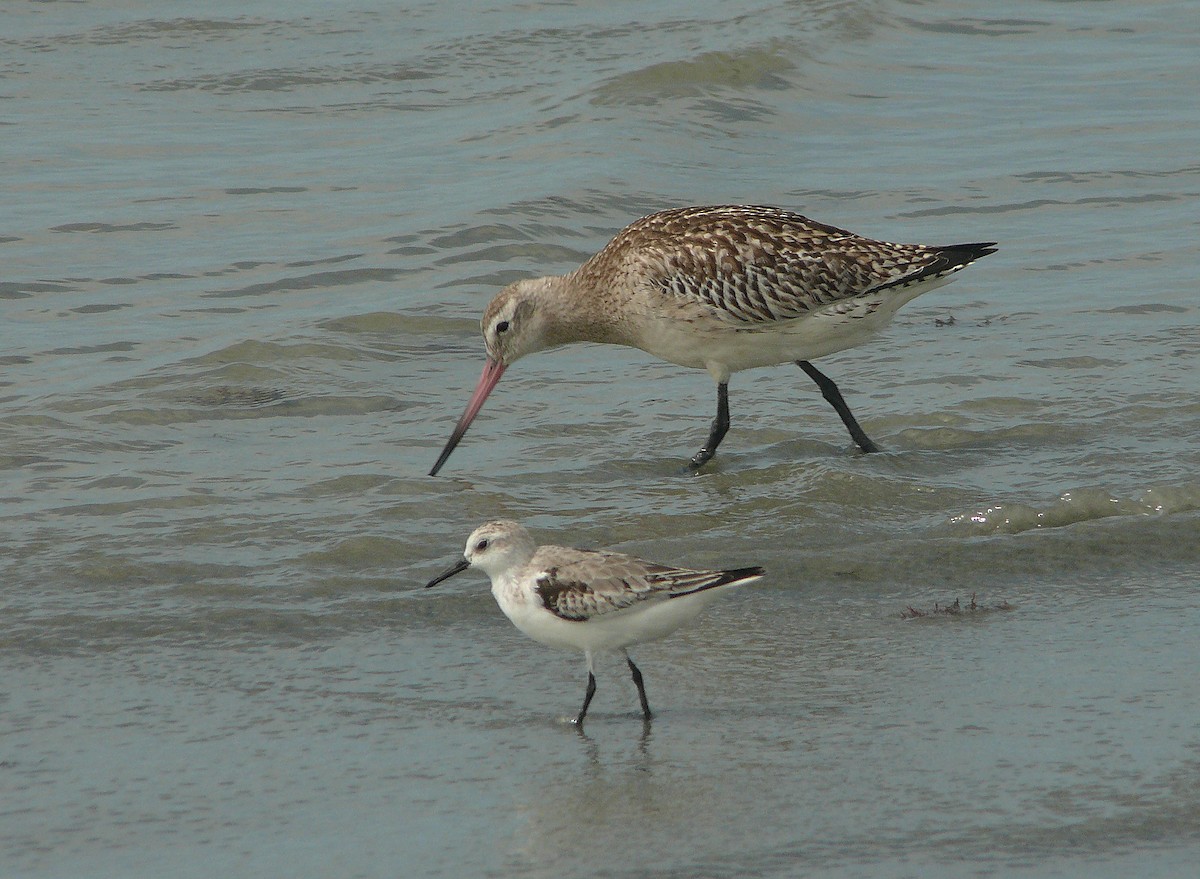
(699, 340)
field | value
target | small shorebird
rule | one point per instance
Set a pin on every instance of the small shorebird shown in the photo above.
(721, 288)
(586, 600)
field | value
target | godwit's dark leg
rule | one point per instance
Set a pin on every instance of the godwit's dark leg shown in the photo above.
(720, 427)
(636, 673)
(587, 697)
(830, 392)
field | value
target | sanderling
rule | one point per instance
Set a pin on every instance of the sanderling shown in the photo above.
(588, 600)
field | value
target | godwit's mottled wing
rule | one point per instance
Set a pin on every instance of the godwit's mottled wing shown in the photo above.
(754, 265)
(579, 585)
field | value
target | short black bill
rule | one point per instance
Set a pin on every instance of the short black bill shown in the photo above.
(457, 568)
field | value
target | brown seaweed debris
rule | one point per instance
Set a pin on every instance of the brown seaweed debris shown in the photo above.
(955, 609)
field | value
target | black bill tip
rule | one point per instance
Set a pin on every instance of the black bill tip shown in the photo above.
(457, 568)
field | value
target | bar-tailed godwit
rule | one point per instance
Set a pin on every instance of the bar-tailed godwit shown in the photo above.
(721, 288)
(586, 600)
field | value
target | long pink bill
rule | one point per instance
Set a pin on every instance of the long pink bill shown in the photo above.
(492, 370)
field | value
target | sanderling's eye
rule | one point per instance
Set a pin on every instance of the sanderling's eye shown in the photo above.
(481, 545)
(502, 327)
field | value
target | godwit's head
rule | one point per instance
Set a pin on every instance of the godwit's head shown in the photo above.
(514, 324)
(516, 321)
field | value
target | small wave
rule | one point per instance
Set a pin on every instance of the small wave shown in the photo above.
(764, 68)
(1077, 505)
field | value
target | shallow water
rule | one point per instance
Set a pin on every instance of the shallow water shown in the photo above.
(245, 254)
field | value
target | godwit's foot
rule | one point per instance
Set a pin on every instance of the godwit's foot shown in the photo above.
(716, 433)
(829, 390)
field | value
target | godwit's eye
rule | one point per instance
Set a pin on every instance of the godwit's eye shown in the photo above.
(502, 327)
(481, 545)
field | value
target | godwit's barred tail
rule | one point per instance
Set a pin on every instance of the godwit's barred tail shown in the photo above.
(586, 600)
(721, 288)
